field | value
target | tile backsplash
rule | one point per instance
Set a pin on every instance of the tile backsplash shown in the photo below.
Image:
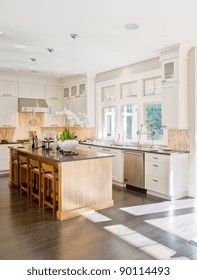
(179, 140)
(28, 122)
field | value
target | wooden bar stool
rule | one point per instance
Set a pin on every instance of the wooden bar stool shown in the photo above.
(15, 170)
(35, 180)
(49, 184)
(24, 175)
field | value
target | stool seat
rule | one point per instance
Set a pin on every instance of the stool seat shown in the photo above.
(49, 183)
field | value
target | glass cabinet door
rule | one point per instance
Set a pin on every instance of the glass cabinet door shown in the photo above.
(170, 70)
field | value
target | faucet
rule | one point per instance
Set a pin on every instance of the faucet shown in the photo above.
(150, 132)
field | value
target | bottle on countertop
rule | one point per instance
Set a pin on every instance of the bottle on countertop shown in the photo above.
(33, 141)
(36, 142)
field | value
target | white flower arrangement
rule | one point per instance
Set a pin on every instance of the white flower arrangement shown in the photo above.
(72, 120)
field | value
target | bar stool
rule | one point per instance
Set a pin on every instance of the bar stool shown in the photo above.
(35, 180)
(23, 175)
(49, 184)
(15, 170)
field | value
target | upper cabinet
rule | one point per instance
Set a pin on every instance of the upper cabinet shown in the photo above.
(169, 68)
(8, 88)
(29, 89)
(54, 92)
(8, 111)
(174, 87)
(74, 90)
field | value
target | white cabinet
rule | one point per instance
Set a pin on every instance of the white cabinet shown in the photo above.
(29, 89)
(74, 90)
(4, 157)
(166, 176)
(76, 105)
(175, 105)
(54, 92)
(8, 88)
(174, 66)
(8, 111)
(169, 68)
(51, 120)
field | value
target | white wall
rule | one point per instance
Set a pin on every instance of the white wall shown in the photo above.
(192, 117)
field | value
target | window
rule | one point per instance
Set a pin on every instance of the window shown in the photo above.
(152, 86)
(108, 93)
(153, 114)
(109, 122)
(129, 89)
(129, 122)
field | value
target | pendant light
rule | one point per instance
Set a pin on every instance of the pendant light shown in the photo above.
(74, 36)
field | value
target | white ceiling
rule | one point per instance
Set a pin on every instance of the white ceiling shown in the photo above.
(32, 26)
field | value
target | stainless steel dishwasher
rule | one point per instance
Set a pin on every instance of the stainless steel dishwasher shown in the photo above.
(134, 169)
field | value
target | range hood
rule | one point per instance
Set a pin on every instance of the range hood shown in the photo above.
(32, 105)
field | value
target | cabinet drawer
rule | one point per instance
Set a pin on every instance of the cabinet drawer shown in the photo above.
(154, 168)
(159, 185)
(157, 157)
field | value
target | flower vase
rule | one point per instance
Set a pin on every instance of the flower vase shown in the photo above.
(68, 145)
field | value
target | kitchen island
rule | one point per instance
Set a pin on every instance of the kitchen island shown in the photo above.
(84, 179)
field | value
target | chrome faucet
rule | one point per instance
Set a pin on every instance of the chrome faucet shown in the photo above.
(150, 132)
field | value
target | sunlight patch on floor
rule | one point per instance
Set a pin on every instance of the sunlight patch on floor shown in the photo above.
(184, 226)
(160, 207)
(147, 245)
(96, 217)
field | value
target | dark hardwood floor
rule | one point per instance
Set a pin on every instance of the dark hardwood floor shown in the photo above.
(27, 232)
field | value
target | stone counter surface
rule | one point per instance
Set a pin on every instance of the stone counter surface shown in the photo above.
(58, 156)
(163, 151)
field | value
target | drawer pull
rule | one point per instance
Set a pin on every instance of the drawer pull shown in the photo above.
(155, 165)
(106, 150)
(155, 157)
(154, 180)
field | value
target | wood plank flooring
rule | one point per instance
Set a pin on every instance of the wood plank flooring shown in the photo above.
(27, 232)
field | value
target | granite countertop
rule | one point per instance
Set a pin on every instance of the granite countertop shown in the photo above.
(57, 156)
(163, 151)
(12, 142)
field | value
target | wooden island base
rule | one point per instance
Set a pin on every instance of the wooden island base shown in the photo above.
(84, 181)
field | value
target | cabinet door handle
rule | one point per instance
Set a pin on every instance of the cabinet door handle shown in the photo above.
(106, 150)
(54, 124)
(155, 165)
(163, 81)
(154, 180)
(54, 98)
(89, 147)
(7, 94)
(155, 157)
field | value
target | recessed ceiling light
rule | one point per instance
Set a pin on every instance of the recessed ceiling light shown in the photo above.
(164, 37)
(15, 69)
(131, 26)
(20, 46)
(2, 33)
(33, 59)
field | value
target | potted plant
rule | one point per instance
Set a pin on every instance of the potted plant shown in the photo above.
(68, 140)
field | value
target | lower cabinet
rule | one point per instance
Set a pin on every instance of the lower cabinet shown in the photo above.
(4, 157)
(166, 176)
